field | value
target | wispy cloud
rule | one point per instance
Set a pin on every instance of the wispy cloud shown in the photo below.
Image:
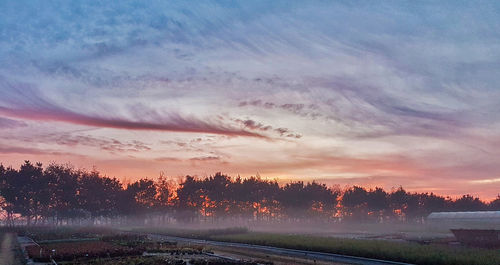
(24, 102)
(167, 159)
(416, 80)
(485, 181)
(205, 158)
(257, 126)
(6, 149)
(173, 122)
(106, 144)
(8, 123)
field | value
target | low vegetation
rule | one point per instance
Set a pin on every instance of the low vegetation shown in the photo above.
(95, 245)
(44, 234)
(378, 249)
(84, 249)
(192, 233)
(161, 261)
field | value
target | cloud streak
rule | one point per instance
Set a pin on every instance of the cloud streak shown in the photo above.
(383, 82)
(31, 106)
(175, 123)
(172, 123)
(9, 124)
(6, 149)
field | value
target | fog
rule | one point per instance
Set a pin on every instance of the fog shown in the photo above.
(59, 195)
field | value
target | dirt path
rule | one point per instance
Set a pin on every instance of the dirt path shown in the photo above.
(245, 254)
(7, 256)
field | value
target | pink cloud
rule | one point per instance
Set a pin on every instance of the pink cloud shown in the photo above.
(173, 123)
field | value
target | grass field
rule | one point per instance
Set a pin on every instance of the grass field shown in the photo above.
(379, 249)
(10, 251)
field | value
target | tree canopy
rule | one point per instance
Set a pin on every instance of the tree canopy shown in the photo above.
(60, 194)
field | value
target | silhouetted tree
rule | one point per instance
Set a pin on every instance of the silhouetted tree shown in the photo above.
(141, 196)
(60, 194)
(99, 196)
(164, 197)
(422, 204)
(63, 186)
(216, 194)
(495, 204)
(33, 196)
(8, 192)
(398, 203)
(355, 203)
(294, 206)
(322, 200)
(190, 199)
(377, 203)
(468, 203)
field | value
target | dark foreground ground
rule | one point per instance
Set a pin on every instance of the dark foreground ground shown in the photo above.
(152, 246)
(109, 246)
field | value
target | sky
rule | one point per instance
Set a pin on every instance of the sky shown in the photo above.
(388, 94)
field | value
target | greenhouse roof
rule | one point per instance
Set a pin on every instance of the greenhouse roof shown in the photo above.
(465, 215)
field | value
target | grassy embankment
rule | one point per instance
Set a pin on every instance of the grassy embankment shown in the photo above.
(378, 249)
(10, 251)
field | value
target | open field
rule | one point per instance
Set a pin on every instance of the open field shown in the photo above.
(161, 245)
(110, 247)
(401, 251)
(379, 249)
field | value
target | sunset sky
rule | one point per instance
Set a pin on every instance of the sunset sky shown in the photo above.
(374, 93)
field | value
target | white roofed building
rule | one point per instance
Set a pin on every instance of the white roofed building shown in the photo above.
(481, 228)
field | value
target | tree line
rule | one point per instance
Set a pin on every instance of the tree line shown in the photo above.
(60, 194)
